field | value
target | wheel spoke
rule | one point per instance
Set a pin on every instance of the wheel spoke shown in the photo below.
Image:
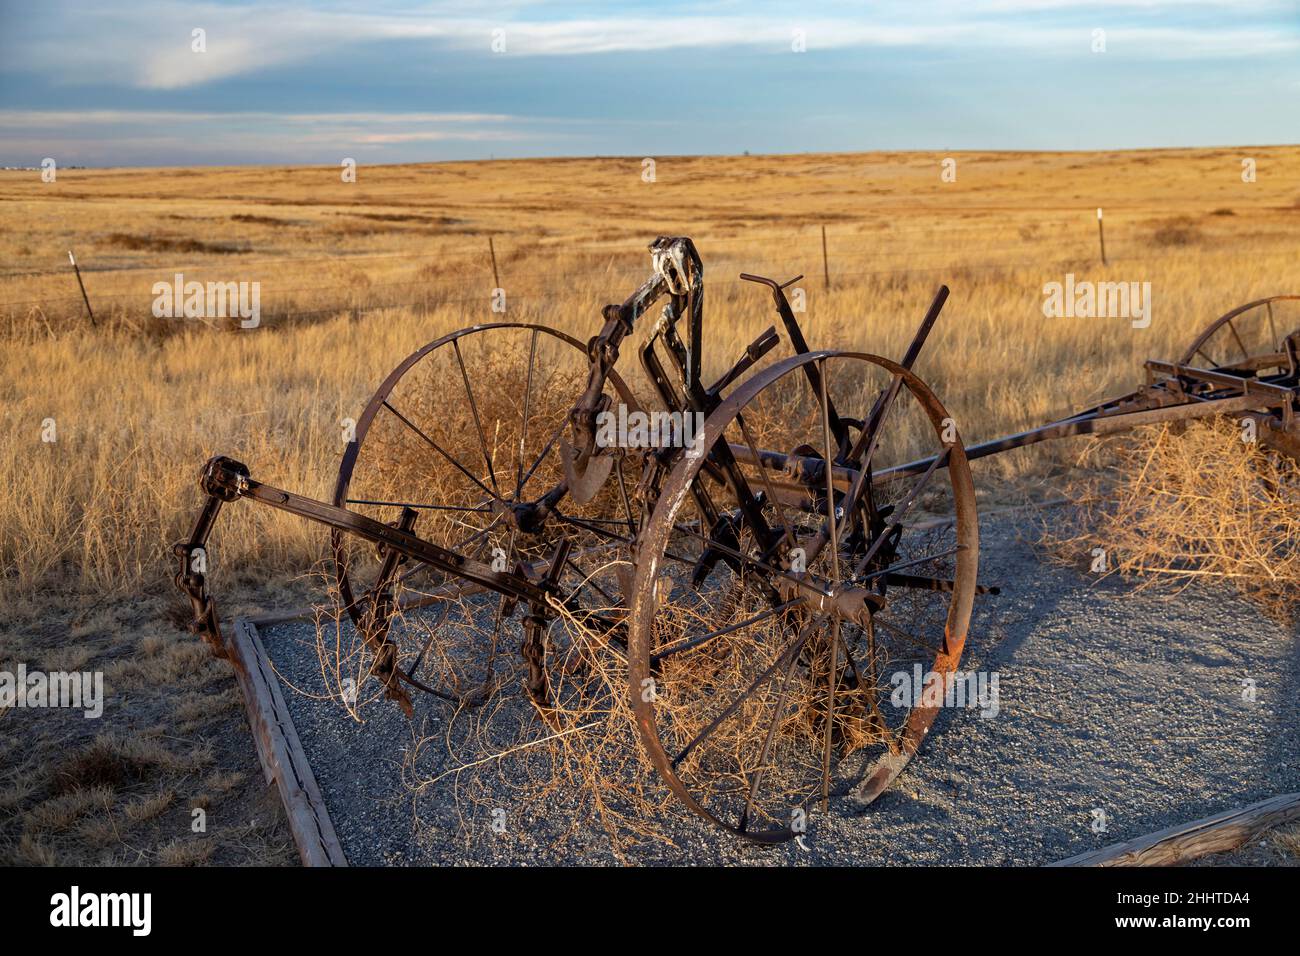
(777, 713)
(832, 682)
(478, 424)
(542, 457)
(896, 517)
(1240, 344)
(791, 650)
(588, 581)
(763, 565)
(456, 547)
(830, 484)
(695, 642)
(910, 564)
(906, 635)
(882, 725)
(923, 583)
(767, 484)
(523, 431)
(438, 448)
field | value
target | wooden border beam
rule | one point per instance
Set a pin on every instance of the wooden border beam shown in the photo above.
(283, 760)
(1187, 841)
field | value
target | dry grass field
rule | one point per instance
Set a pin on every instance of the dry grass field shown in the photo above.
(354, 276)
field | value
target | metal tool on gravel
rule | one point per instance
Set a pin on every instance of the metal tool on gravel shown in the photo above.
(774, 579)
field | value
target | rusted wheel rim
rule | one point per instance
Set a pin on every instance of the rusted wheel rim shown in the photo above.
(671, 758)
(1246, 332)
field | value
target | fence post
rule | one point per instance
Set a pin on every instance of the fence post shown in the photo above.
(1101, 236)
(84, 298)
(826, 269)
(495, 277)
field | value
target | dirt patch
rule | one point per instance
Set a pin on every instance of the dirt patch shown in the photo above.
(124, 240)
(168, 775)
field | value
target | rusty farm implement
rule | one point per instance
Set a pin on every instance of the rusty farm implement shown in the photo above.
(761, 574)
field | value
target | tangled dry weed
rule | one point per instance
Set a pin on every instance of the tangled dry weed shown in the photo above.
(1178, 506)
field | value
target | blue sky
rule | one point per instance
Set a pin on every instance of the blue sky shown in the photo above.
(112, 83)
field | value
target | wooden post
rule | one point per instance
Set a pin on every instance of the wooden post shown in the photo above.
(1187, 841)
(284, 762)
(495, 277)
(84, 298)
(826, 269)
(1101, 236)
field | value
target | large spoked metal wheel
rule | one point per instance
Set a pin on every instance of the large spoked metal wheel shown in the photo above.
(1259, 340)
(1251, 339)
(467, 431)
(781, 652)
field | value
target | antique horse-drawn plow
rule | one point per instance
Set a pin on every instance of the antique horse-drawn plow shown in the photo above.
(762, 575)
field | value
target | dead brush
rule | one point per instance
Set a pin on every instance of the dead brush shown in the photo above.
(582, 751)
(1176, 507)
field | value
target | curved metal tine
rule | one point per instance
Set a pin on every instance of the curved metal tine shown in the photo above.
(438, 448)
(811, 373)
(1272, 326)
(523, 431)
(908, 360)
(791, 650)
(478, 424)
(875, 423)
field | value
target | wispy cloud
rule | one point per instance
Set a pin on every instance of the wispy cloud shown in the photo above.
(148, 45)
(301, 81)
(207, 137)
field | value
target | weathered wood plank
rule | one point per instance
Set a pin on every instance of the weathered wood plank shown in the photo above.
(1187, 841)
(267, 620)
(283, 760)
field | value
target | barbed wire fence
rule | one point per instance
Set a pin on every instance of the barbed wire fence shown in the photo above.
(821, 255)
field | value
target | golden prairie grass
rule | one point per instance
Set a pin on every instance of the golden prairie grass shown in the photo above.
(139, 402)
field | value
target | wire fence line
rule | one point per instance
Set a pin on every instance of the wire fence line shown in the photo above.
(943, 231)
(517, 289)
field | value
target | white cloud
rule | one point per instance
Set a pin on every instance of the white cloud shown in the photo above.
(148, 45)
(286, 137)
